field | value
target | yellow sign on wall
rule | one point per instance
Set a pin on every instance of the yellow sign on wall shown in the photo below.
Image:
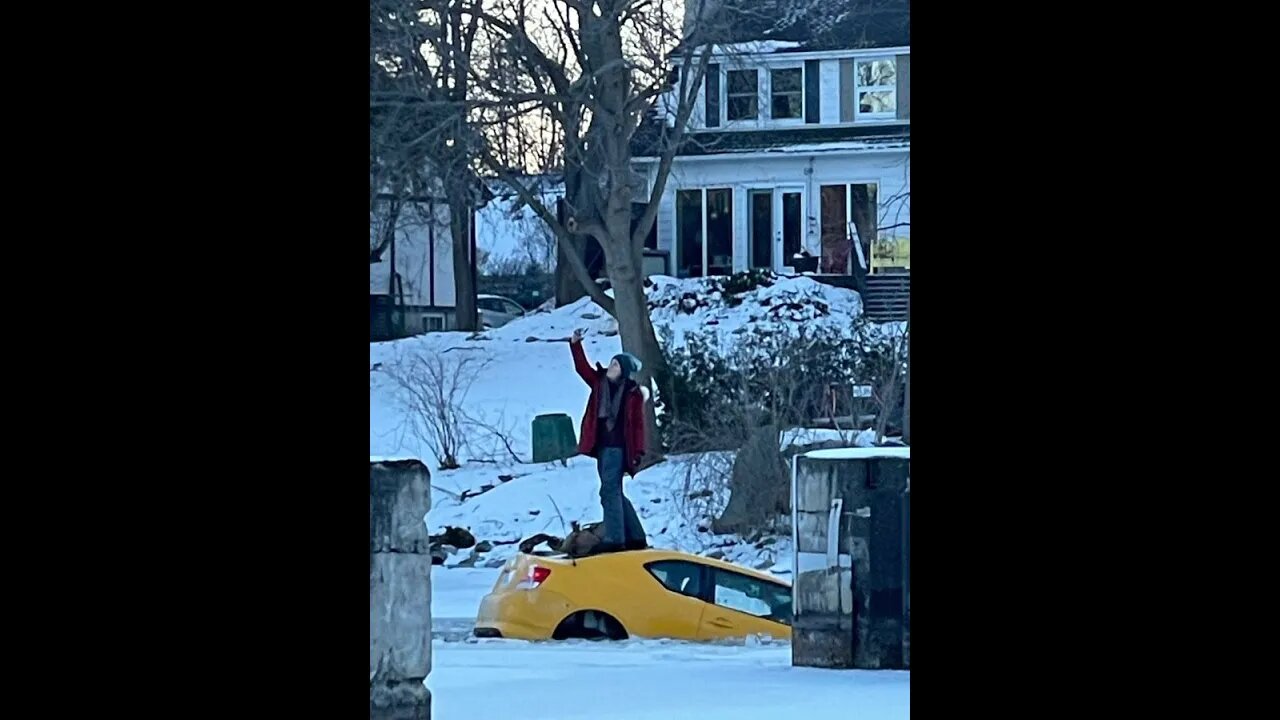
(891, 253)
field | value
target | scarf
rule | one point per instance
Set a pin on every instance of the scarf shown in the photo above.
(610, 401)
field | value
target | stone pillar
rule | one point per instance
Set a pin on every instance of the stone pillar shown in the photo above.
(399, 591)
(850, 566)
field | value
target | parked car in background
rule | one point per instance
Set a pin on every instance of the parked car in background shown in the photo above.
(640, 593)
(496, 311)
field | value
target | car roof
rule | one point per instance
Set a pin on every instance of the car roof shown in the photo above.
(644, 557)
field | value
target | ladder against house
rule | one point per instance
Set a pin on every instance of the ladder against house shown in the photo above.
(888, 296)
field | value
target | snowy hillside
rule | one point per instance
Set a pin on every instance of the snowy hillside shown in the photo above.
(524, 370)
(529, 371)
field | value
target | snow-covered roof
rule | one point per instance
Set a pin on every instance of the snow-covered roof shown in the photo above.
(859, 453)
(800, 25)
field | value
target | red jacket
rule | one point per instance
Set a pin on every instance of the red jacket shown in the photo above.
(633, 407)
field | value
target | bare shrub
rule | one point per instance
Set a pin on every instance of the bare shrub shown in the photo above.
(432, 389)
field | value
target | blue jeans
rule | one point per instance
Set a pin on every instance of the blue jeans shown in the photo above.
(621, 524)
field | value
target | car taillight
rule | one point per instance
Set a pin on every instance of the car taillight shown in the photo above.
(537, 575)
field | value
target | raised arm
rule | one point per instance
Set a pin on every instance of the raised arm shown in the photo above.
(585, 371)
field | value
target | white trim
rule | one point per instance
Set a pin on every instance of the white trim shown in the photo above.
(807, 55)
(761, 154)
(703, 210)
(740, 125)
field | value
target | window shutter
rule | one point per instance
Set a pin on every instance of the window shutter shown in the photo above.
(846, 90)
(904, 87)
(812, 94)
(711, 96)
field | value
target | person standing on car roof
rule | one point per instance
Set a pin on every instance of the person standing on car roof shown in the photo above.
(613, 432)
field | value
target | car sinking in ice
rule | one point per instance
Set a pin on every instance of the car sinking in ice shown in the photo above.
(635, 593)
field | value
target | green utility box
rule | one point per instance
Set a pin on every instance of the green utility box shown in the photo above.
(553, 438)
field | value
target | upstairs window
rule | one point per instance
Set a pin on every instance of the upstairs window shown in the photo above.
(787, 90)
(876, 88)
(743, 94)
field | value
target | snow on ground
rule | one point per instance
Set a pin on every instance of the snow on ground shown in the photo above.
(546, 498)
(527, 371)
(652, 680)
(786, 306)
(524, 378)
(456, 592)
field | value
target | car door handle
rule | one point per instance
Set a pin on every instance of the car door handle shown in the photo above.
(722, 623)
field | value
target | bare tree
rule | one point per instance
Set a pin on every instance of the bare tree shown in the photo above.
(597, 68)
(888, 371)
(420, 70)
(432, 388)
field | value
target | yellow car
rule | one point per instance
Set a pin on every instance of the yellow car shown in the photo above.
(641, 593)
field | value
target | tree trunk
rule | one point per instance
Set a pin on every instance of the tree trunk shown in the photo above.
(568, 288)
(463, 280)
(631, 310)
(759, 489)
(906, 391)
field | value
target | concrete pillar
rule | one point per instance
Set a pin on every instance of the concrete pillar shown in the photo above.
(850, 567)
(399, 590)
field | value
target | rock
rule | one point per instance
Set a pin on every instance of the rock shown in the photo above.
(589, 316)
(438, 555)
(457, 537)
(764, 564)
(765, 542)
(656, 500)
(531, 339)
(484, 546)
(495, 563)
(699, 494)
(535, 512)
(716, 554)
(506, 478)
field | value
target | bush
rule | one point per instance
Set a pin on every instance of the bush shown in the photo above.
(741, 397)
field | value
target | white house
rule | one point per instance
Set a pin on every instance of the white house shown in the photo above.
(798, 154)
(423, 290)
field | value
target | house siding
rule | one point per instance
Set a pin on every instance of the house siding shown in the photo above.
(414, 260)
(890, 171)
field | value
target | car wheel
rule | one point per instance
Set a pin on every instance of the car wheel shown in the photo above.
(590, 625)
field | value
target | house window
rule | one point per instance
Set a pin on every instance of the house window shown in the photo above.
(849, 224)
(787, 92)
(876, 88)
(704, 232)
(433, 322)
(689, 233)
(743, 94)
(753, 597)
